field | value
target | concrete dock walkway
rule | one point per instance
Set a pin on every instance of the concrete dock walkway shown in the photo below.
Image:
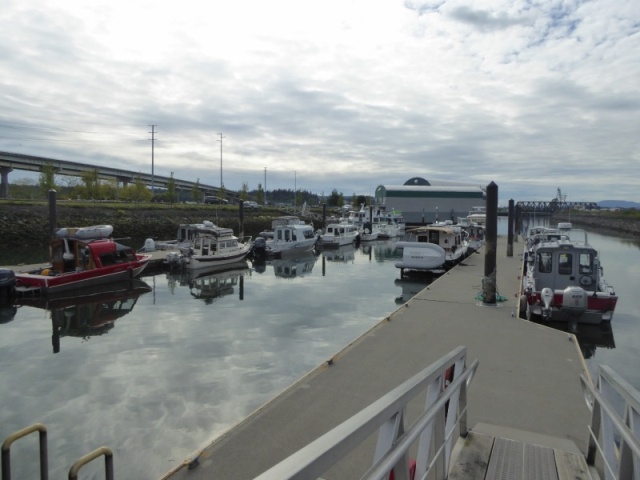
(527, 380)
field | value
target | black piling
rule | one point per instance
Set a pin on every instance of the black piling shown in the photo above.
(510, 229)
(491, 241)
(241, 221)
(53, 220)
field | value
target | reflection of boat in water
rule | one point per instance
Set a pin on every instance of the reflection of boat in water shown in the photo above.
(212, 283)
(411, 287)
(289, 267)
(590, 336)
(344, 254)
(92, 313)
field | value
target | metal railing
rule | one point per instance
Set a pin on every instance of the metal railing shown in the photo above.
(44, 464)
(613, 434)
(445, 383)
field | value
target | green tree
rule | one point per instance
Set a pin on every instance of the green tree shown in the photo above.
(47, 179)
(260, 194)
(244, 193)
(108, 190)
(138, 192)
(196, 194)
(172, 195)
(90, 189)
(335, 199)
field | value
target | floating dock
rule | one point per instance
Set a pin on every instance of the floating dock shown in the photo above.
(526, 390)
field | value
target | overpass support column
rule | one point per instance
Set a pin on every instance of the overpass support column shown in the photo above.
(4, 183)
(124, 181)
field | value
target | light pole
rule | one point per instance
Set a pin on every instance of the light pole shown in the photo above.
(265, 185)
(221, 137)
(295, 189)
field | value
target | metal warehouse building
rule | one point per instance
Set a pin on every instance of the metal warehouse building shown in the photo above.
(421, 201)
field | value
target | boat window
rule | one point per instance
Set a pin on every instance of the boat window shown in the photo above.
(564, 263)
(287, 236)
(308, 234)
(544, 262)
(279, 234)
(586, 263)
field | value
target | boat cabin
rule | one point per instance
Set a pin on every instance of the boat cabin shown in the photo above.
(564, 265)
(74, 255)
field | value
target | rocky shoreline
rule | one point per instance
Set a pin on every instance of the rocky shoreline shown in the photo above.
(608, 223)
(28, 225)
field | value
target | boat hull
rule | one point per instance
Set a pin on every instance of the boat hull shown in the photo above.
(77, 281)
(421, 256)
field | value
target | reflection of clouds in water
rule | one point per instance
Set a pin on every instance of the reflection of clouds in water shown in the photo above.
(176, 373)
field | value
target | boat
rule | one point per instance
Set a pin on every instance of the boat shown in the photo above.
(339, 234)
(436, 246)
(212, 246)
(79, 261)
(477, 215)
(563, 279)
(363, 220)
(289, 235)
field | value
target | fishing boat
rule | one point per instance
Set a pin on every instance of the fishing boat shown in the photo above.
(289, 235)
(339, 234)
(563, 279)
(82, 258)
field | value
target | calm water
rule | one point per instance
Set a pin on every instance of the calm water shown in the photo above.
(160, 373)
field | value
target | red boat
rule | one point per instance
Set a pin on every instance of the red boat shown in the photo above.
(80, 260)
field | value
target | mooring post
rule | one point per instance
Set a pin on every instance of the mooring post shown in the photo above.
(518, 224)
(491, 236)
(324, 216)
(241, 220)
(52, 214)
(510, 223)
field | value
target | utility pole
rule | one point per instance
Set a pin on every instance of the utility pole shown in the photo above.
(221, 137)
(295, 189)
(265, 185)
(153, 141)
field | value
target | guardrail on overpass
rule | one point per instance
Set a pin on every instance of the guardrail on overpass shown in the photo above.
(16, 161)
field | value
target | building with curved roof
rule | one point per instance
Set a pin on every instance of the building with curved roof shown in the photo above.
(422, 201)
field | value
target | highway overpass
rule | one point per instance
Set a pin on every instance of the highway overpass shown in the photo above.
(16, 161)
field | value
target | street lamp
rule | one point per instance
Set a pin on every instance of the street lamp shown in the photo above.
(295, 189)
(265, 185)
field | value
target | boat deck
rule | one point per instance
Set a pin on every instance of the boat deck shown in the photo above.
(527, 381)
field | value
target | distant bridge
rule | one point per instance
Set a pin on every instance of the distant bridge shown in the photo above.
(554, 206)
(16, 161)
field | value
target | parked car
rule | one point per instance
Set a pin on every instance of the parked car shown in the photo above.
(215, 201)
(251, 204)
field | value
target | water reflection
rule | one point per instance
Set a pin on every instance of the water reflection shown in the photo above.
(288, 267)
(590, 336)
(93, 313)
(412, 286)
(343, 254)
(211, 284)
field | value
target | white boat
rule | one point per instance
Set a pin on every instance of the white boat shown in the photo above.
(363, 219)
(339, 234)
(477, 215)
(563, 279)
(213, 246)
(446, 235)
(421, 257)
(386, 228)
(289, 235)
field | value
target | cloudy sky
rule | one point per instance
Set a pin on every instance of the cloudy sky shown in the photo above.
(344, 94)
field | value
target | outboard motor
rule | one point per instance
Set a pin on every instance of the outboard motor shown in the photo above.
(7, 286)
(259, 248)
(149, 245)
(574, 301)
(547, 297)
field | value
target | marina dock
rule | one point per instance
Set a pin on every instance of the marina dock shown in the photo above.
(526, 391)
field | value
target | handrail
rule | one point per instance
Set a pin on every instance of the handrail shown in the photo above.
(6, 450)
(615, 438)
(89, 457)
(445, 407)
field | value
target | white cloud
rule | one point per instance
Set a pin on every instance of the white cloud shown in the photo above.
(349, 95)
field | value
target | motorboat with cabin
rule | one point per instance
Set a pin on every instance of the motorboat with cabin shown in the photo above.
(339, 234)
(289, 235)
(436, 246)
(563, 278)
(81, 258)
(363, 220)
(211, 247)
